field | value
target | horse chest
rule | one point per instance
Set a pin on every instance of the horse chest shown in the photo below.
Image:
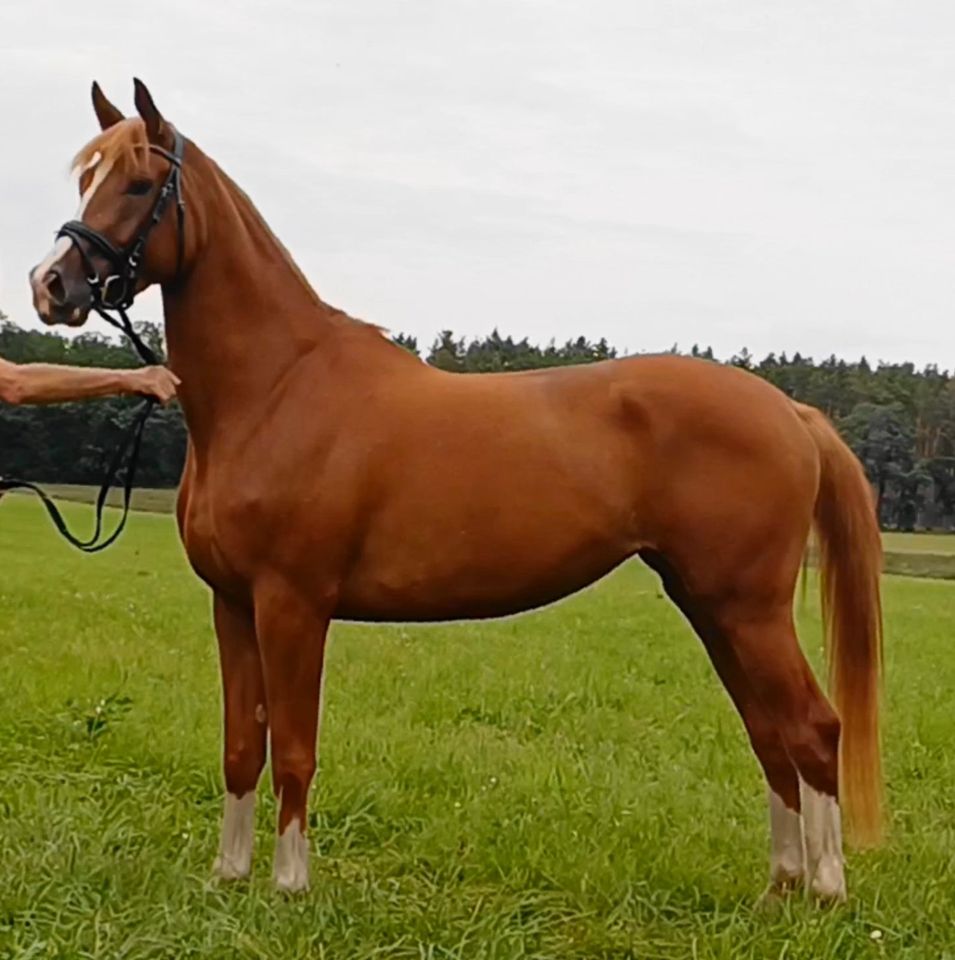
(206, 537)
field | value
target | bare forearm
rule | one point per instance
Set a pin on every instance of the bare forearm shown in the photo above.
(51, 383)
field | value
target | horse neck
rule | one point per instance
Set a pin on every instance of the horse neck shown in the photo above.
(244, 314)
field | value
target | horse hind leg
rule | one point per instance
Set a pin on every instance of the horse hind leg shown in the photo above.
(787, 858)
(787, 852)
(765, 646)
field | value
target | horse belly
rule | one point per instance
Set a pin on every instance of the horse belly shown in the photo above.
(488, 573)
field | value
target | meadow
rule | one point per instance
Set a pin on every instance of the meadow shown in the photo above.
(572, 783)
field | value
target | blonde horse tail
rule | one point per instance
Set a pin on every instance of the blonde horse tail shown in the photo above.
(850, 564)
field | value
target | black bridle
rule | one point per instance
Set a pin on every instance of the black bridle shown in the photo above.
(117, 290)
(115, 293)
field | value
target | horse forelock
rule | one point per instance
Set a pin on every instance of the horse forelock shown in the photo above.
(124, 146)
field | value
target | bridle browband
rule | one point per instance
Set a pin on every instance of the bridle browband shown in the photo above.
(116, 293)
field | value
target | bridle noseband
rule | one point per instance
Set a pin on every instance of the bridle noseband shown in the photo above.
(117, 290)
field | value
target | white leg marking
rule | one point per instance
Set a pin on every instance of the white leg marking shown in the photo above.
(787, 858)
(291, 859)
(822, 823)
(238, 829)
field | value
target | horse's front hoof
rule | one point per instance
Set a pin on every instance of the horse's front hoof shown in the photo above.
(291, 884)
(226, 869)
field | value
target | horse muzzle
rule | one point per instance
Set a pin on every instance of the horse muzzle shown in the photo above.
(61, 293)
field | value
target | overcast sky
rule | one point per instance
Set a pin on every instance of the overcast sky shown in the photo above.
(772, 174)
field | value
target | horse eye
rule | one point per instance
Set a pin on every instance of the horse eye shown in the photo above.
(139, 188)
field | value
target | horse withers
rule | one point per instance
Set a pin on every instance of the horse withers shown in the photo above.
(332, 475)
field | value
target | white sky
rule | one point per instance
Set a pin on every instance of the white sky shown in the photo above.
(772, 174)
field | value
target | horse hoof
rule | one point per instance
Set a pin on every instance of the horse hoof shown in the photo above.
(828, 895)
(226, 869)
(290, 885)
(828, 884)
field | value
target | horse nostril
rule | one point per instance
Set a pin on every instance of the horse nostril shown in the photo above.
(55, 288)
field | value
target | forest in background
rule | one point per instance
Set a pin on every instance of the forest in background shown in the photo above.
(899, 420)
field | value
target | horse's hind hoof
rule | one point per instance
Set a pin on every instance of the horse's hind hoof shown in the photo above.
(828, 896)
(828, 885)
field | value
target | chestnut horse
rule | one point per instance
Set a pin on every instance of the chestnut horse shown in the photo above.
(333, 475)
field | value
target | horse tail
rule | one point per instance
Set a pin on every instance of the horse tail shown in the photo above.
(850, 564)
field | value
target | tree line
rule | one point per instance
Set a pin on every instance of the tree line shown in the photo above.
(899, 420)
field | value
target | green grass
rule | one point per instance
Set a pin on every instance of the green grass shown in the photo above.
(934, 543)
(568, 784)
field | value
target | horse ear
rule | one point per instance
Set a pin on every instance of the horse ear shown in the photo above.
(106, 113)
(157, 130)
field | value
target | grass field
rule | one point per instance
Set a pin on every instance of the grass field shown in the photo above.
(569, 784)
(939, 544)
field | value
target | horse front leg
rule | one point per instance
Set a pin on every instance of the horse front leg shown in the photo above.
(245, 721)
(292, 632)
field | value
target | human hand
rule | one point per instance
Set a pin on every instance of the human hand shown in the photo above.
(157, 382)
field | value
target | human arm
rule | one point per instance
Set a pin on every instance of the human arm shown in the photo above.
(53, 383)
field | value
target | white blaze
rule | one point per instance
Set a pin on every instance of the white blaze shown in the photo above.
(63, 244)
(100, 173)
(54, 256)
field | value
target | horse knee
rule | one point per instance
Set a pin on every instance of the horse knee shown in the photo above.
(242, 764)
(292, 772)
